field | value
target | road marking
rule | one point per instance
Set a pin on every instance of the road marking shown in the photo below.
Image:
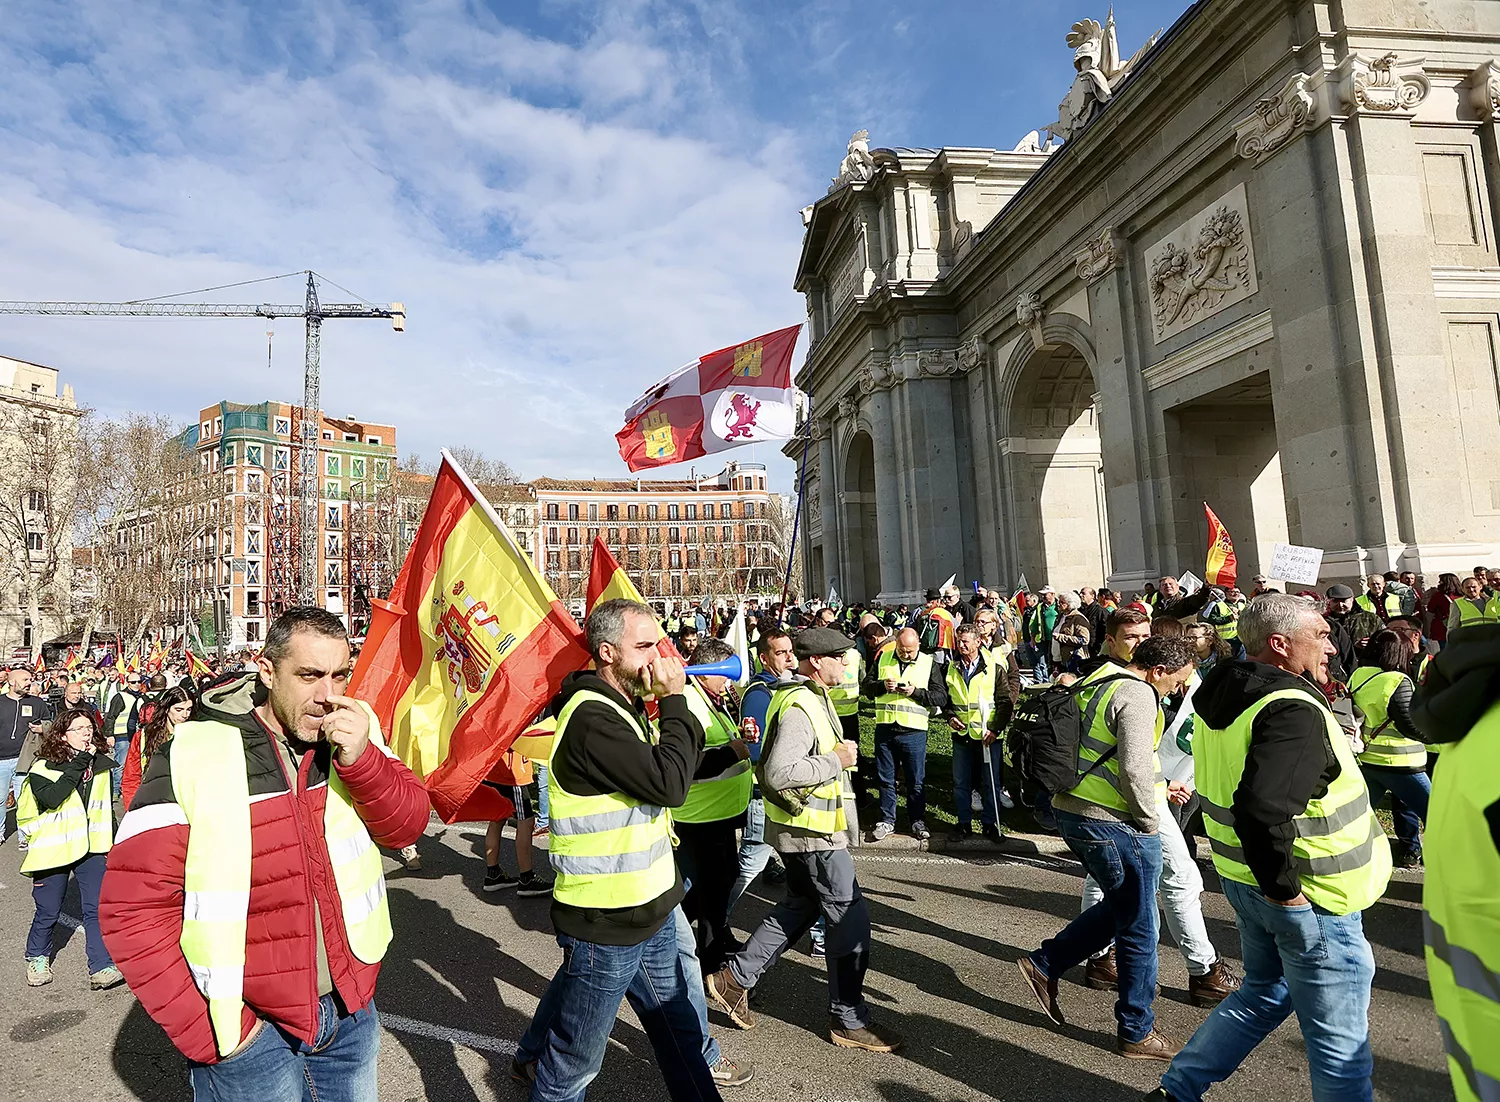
(445, 1033)
(910, 858)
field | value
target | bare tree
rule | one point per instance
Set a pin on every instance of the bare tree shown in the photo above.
(779, 522)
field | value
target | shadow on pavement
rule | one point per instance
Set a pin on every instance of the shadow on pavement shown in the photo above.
(147, 1062)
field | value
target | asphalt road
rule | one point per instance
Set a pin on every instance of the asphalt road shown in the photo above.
(466, 969)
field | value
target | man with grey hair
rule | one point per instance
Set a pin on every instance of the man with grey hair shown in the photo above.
(1299, 852)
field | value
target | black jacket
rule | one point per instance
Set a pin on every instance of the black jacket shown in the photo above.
(77, 775)
(1341, 665)
(602, 754)
(1462, 684)
(1289, 763)
(1179, 608)
(1098, 618)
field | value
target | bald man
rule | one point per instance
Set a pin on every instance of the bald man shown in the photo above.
(905, 685)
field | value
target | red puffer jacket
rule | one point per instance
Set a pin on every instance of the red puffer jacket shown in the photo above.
(140, 905)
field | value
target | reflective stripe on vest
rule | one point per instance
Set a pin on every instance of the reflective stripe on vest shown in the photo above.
(609, 851)
(1461, 901)
(972, 701)
(823, 806)
(57, 838)
(1102, 785)
(845, 695)
(711, 799)
(122, 721)
(1371, 690)
(212, 787)
(895, 707)
(1340, 851)
(1469, 615)
(1391, 602)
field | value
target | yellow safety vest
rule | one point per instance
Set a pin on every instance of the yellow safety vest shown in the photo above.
(1461, 909)
(1101, 785)
(823, 806)
(727, 795)
(894, 707)
(211, 784)
(1468, 615)
(122, 721)
(845, 695)
(1341, 852)
(972, 701)
(1390, 600)
(609, 851)
(1371, 690)
(58, 838)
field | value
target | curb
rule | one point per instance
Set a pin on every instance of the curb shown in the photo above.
(1013, 843)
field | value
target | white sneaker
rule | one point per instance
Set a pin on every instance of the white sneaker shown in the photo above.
(1005, 800)
(882, 830)
(410, 859)
(976, 801)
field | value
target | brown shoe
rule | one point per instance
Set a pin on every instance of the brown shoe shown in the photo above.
(730, 997)
(871, 1038)
(1214, 986)
(1153, 1046)
(1043, 988)
(1101, 973)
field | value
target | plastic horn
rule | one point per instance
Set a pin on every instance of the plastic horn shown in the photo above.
(729, 667)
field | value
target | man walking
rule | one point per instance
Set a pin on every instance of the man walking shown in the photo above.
(1110, 821)
(244, 899)
(905, 684)
(774, 649)
(617, 890)
(120, 722)
(811, 821)
(1299, 852)
(972, 686)
(21, 714)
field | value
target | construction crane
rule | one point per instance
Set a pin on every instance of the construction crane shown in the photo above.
(315, 312)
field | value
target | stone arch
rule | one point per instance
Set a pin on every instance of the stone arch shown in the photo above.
(1057, 528)
(861, 521)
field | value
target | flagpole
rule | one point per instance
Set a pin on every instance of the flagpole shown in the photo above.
(791, 553)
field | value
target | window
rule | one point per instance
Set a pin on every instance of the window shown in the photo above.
(552, 511)
(676, 559)
(229, 482)
(672, 511)
(253, 454)
(356, 466)
(692, 560)
(614, 536)
(633, 560)
(229, 454)
(726, 509)
(331, 545)
(632, 512)
(593, 511)
(331, 465)
(726, 533)
(552, 537)
(518, 518)
(283, 459)
(252, 632)
(765, 556)
(611, 512)
(252, 572)
(213, 461)
(253, 483)
(573, 560)
(332, 572)
(573, 511)
(252, 542)
(218, 425)
(351, 438)
(252, 602)
(373, 440)
(692, 512)
(708, 510)
(327, 434)
(283, 426)
(206, 429)
(674, 535)
(630, 536)
(651, 512)
(331, 490)
(692, 535)
(677, 585)
(33, 541)
(382, 470)
(552, 560)
(336, 515)
(572, 537)
(761, 509)
(36, 501)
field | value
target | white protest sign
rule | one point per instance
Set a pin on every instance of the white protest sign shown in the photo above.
(1190, 583)
(1291, 563)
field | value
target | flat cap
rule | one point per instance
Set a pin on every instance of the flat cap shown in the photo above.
(1339, 593)
(812, 642)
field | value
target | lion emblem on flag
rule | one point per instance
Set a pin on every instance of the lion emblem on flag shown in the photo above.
(740, 417)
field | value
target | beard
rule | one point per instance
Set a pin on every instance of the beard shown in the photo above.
(634, 681)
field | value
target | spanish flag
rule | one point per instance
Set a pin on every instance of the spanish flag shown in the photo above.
(73, 661)
(1221, 566)
(608, 580)
(198, 669)
(471, 645)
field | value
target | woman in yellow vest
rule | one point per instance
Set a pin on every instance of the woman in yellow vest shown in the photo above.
(1393, 759)
(66, 812)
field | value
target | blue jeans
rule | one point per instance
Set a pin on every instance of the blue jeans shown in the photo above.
(692, 975)
(969, 769)
(755, 854)
(278, 1067)
(48, 889)
(1126, 865)
(9, 782)
(892, 741)
(1412, 790)
(543, 805)
(568, 1035)
(1300, 959)
(120, 752)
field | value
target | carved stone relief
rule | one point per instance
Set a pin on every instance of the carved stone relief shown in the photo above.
(821, 428)
(1098, 257)
(971, 353)
(1382, 86)
(1203, 266)
(937, 362)
(878, 376)
(1484, 91)
(1276, 119)
(848, 408)
(857, 166)
(1029, 313)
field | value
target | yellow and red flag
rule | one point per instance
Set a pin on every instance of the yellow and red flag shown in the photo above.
(608, 580)
(39, 666)
(120, 663)
(198, 669)
(1222, 564)
(73, 661)
(471, 645)
(134, 663)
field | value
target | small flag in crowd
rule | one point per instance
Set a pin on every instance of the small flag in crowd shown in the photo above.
(1221, 566)
(198, 669)
(734, 396)
(469, 648)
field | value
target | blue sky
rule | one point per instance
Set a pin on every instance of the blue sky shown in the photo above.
(571, 197)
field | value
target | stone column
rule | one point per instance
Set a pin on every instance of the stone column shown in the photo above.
(828, 487)
(887, 496)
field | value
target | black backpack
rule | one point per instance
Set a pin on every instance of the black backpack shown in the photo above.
(1048, 727)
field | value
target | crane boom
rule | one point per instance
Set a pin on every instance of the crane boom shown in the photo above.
(315, 313)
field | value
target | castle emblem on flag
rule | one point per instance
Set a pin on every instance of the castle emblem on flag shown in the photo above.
(657, 431)
(747, 361)
(469, 654)
(740, 417)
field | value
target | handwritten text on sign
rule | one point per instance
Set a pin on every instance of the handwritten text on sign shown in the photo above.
(1291, 563)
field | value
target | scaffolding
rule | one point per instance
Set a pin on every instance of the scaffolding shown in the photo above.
(284, 526)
